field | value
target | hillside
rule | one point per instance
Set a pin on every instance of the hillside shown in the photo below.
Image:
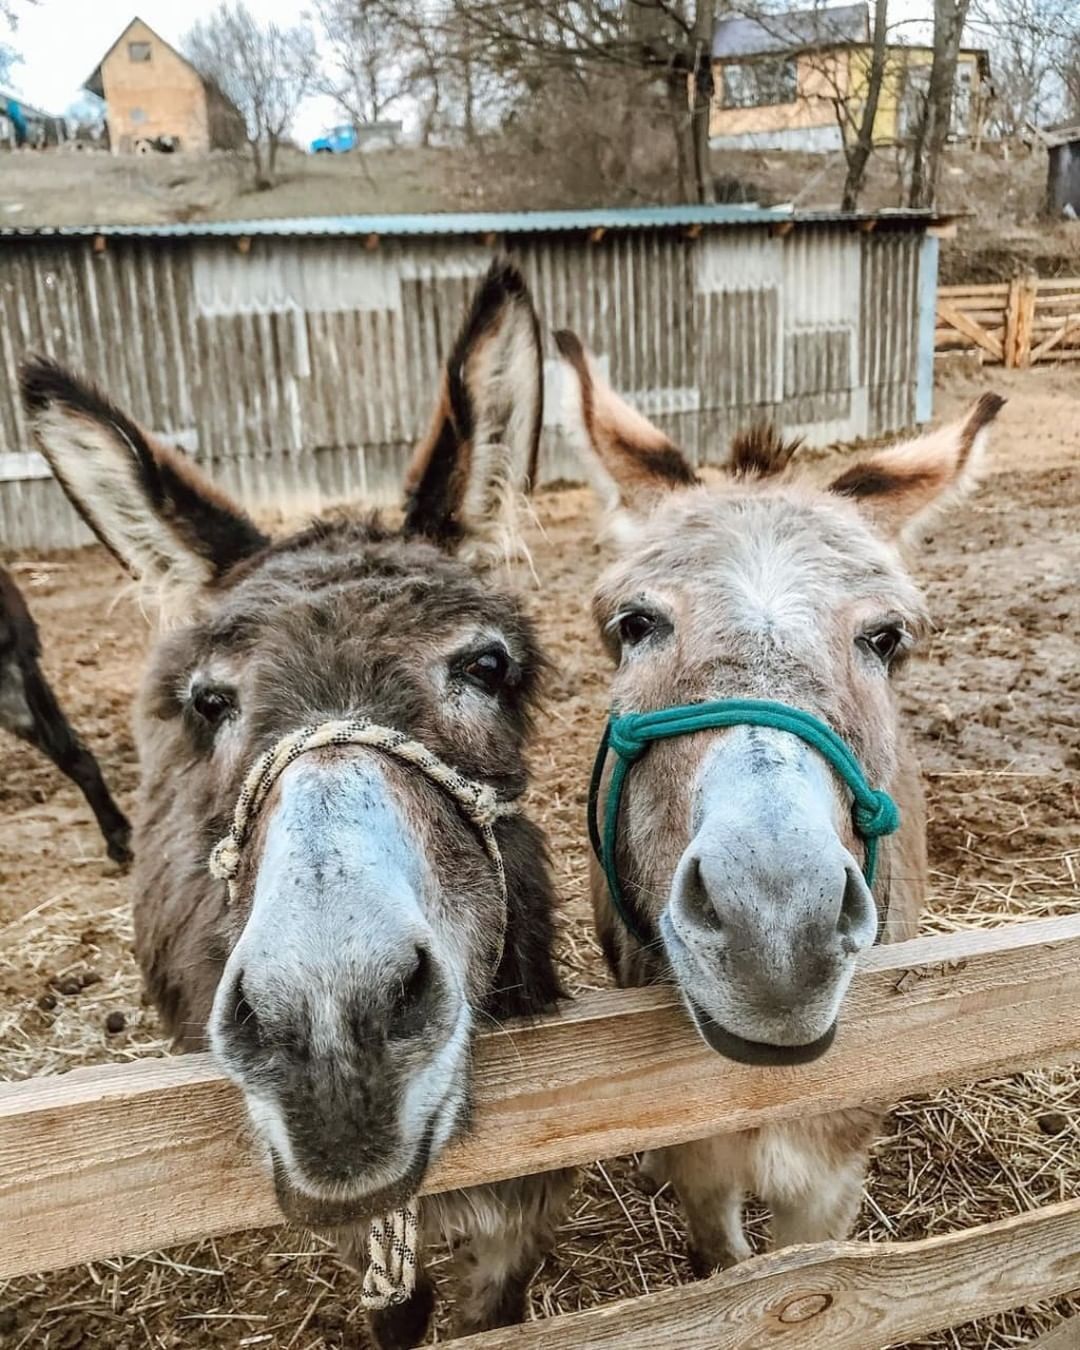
(1002, 234)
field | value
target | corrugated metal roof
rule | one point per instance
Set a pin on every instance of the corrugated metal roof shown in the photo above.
(473, 223)
(738, 35)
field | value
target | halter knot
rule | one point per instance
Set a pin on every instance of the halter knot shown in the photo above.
(624, 739)
(876, 816)
(225, 859)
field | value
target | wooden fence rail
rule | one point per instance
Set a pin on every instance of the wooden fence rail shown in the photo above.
(834, 1295)
(127, 1158)
(1015, 323)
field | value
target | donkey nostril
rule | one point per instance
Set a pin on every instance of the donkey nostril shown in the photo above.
(857, 911)
(412, 996)
(697, 903)
(243, 1020)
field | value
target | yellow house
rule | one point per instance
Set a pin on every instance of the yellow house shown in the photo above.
(798, 82)
(155, 98)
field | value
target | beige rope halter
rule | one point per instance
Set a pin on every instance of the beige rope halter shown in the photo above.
(392, 1239)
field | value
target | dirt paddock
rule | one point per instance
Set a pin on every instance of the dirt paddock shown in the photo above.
(993, 704)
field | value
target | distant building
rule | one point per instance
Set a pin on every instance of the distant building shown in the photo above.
(1063, 172)
(22, 125)
(156, 99)
(787, 82)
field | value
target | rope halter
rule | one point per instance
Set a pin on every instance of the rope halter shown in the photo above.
(392, 1239)
(478, 801)
(628, 735)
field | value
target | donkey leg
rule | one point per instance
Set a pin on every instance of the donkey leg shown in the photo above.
(49, 730)
(404, 1325)
(812, 1175)
(827, 1212)
(511, 1230)
(709, 1177)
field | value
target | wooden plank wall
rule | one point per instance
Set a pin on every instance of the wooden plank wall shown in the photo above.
(1016, 323)
(300, 371)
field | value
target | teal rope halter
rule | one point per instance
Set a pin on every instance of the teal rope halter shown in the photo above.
(629, 735)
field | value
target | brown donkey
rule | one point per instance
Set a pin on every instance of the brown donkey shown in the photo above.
(736, 854)
(370, 926)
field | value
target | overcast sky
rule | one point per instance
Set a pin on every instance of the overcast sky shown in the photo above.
(63, 40)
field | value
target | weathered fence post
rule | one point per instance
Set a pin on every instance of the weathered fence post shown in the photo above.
(1019, 320)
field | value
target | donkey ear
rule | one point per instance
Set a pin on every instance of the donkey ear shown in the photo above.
(481, 449)
(630, 463)
(902, 488)
(151, 509)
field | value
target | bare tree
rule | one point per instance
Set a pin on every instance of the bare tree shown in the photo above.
(858, 134)
(363, 58)
(1034, 49)
(10, 10)
(932, 130)
(263, 68)
(665, 42)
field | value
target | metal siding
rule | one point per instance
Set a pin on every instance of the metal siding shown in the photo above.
(927, 320)
(888, 323)
(301, 370)
(456, 225)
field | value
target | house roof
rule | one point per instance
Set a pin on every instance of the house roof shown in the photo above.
(94, 82)
(37, 114)
(1052, 137)
(737, 35)
(482, 224)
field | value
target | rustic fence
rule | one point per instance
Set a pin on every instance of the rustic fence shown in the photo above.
(132, 1157)
(1014, 323)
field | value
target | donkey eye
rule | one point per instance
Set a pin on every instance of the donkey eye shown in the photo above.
(213, 703)
(491, 669)
(635, 627)
(884, 642)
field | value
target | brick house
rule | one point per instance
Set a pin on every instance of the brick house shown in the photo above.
(155, 97)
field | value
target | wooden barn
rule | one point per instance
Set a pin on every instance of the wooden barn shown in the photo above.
(295, 357)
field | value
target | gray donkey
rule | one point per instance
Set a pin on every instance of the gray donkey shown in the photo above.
(743, 869)
(383, 902)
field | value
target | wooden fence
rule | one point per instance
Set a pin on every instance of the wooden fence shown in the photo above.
(1012, 323)
(132, 1157)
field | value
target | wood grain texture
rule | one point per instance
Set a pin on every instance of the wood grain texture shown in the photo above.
(833, 1295)
(127, 1158)
(959, 320)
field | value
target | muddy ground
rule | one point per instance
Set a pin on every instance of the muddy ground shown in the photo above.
(993, 703)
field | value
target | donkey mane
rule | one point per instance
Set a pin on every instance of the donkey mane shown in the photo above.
(760, 451)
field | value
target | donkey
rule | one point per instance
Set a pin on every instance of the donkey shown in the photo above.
(369, 925)
(30, 710)
(736, 857)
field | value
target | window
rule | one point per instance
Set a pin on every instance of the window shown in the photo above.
(139, 51)
(760, 84)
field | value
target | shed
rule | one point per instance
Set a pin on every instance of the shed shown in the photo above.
(21, 124)
(298, 359)
(1063, 172)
